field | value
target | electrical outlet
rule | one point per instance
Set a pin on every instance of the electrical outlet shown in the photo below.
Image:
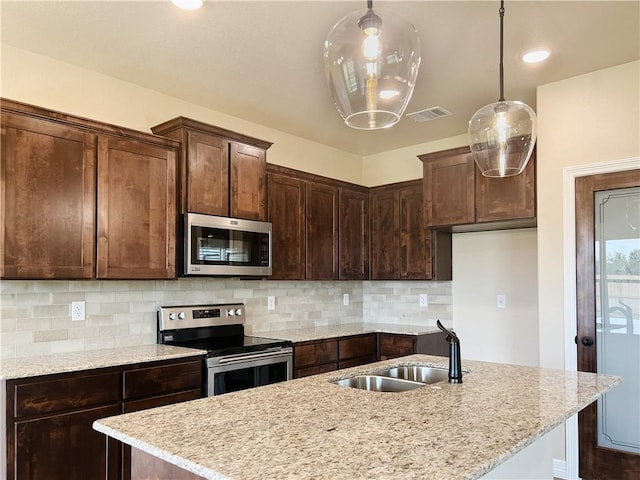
(345, 299)
(271, 302)
(77, 311)
(424, 302)
(501, 301)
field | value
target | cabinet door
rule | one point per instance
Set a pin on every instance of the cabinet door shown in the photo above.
(449, 187)
(248, 182)
(357, 350)
(393, 345)
(287, 215)
(47, 187)
(509, 198)
(64, 447)
(385, 246)
(415, 252)
(311, 358)
(207, 179)
(322, 232)
(136, 209)
(354, 235)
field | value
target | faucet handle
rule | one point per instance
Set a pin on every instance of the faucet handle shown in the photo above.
(451, 337)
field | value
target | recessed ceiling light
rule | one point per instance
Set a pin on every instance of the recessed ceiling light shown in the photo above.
(535, 56)
(188, 4)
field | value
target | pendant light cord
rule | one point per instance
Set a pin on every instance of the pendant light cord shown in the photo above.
(501, 11)
(369, 4)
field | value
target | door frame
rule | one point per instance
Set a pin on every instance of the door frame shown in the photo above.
(570, 311)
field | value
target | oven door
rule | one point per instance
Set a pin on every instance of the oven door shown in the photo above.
(239, 372)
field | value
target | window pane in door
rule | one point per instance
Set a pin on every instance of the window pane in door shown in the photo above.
(617, 255)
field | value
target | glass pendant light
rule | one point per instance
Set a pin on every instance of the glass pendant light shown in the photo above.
(502, 135)
(371, 62)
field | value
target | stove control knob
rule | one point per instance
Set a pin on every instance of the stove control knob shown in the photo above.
(172, 316)
(231, 312)
(182, 315)
(239, 312)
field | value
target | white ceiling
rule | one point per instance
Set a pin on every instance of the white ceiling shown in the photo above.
(262, 60)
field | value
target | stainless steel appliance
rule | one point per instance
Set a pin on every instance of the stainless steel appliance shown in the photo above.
(234, 361)
(225, 246)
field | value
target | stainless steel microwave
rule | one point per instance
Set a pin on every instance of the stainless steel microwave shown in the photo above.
(226, 246)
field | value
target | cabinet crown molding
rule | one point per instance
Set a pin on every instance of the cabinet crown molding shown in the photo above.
(184, 122)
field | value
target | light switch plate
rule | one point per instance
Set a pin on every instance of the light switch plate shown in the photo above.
(271, 302)
(501, 301)
(345, 299)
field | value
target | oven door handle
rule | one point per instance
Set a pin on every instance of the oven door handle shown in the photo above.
(254, 356)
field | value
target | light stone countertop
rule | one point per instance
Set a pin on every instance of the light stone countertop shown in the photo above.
(90, 359)
(310, 428)
(319, 333)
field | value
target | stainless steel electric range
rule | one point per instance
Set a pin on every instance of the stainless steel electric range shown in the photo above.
(234, 360)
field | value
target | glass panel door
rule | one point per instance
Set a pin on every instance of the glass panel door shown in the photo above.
(617, 269)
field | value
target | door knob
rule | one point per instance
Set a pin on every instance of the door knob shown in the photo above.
(587, 341)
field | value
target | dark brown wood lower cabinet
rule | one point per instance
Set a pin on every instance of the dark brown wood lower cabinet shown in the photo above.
(357, 350)
(326, 355)
(148, 467)
(311, 358)
(391, 345)
(64, 447)
(50, 418)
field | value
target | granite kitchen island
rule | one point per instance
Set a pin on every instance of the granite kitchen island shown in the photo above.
(313, 428)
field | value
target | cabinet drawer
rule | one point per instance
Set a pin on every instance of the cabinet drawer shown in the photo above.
(315, 370)
(392, 346)
(312, 353)
(355, 361)
(359, 346)
(160, 401)
(161, 379)
(65, 392)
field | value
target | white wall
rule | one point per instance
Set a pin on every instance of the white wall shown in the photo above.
(486, 264)
(589, 119)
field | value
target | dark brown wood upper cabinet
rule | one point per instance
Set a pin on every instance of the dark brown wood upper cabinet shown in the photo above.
(322, 231)
(320, 227)
(401, 247)
(509, 198)
(64, 178)
(415, 261)
(458, 198)
(353, 217)
(449, 187)
(287, 216)
(136, 209)
(385, 237)
(47, 219)
(221, 172)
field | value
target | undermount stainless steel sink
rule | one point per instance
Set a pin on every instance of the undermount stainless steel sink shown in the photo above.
(378, 383)
(417, 373)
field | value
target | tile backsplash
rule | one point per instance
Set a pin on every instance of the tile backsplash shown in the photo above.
(35, 316)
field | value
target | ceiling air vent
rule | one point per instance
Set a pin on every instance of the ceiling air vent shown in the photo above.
(429, 114)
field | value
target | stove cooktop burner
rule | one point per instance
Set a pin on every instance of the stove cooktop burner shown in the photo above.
(217, 347)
